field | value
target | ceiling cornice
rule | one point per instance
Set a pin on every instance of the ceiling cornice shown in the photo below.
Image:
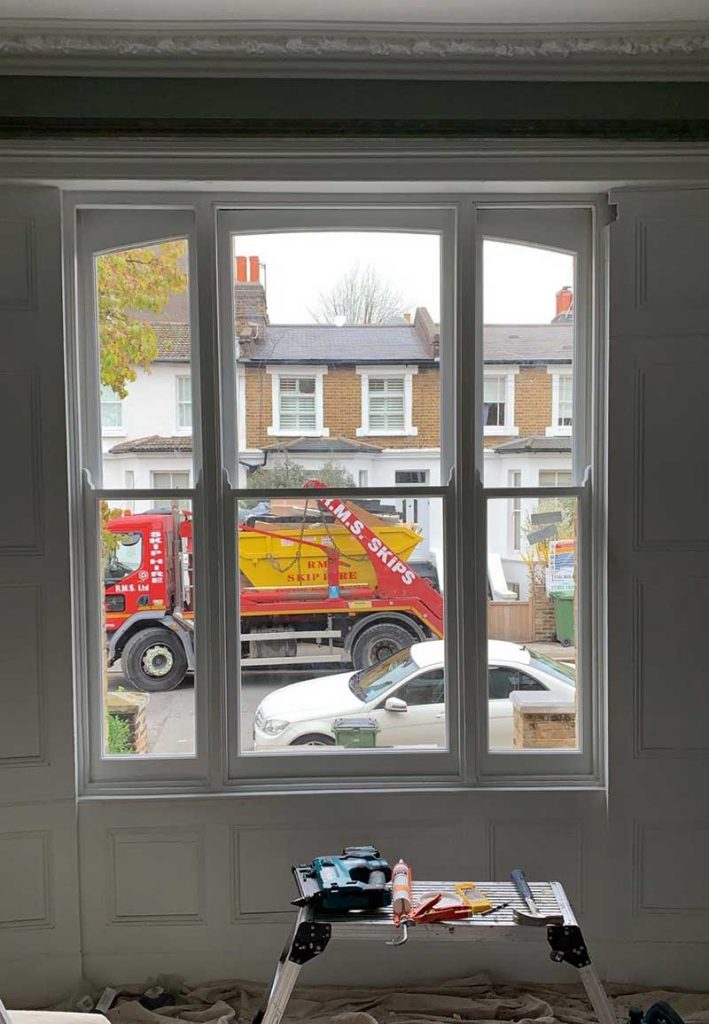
(678, 51)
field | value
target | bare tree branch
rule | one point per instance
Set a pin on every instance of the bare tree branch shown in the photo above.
(362, 296)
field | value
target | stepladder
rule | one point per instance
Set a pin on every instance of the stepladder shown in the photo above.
(314, 930)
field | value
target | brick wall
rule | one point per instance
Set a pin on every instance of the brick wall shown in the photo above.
(534, 730)
(342, 407)
(342, 400)
(533, 401)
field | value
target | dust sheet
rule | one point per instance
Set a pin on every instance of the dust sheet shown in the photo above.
(466, 999)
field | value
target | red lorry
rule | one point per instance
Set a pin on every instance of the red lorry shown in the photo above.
(149, 607)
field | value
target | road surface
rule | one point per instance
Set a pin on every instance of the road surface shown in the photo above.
(170, 716)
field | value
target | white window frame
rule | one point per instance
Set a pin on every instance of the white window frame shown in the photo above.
(258, 215)
(556, 429)
(94, 224)
(508, 373)
(405, 373)
(467, 763)
(120, 430)
(317, 372)
(514, 479)
(572, 228)
(180, 403)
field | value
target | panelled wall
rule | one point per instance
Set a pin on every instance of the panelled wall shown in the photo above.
(659, 565)
(39, 906)
(123, 889)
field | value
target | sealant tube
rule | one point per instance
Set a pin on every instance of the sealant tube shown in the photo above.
(401, 895)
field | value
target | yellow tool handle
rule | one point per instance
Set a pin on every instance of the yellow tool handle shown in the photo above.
(472, 896)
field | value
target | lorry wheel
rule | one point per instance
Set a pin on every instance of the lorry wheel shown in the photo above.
(154, 660)
(314, 739)
(375, 643)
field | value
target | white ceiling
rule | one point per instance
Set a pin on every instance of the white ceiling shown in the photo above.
(560, 13)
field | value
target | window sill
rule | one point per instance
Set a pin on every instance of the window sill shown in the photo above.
(409, 432)
(501, 431)
(559, 431)
(113, 432)
(275, 432)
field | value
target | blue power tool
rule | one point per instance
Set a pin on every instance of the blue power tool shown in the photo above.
(356, 879)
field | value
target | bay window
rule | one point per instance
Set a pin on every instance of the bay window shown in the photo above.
(290, 599)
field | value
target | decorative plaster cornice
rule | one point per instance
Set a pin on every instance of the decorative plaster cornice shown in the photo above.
(679, 51)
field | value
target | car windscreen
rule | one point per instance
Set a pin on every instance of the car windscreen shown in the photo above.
(123, 554)
(564, 673)
(368, 684)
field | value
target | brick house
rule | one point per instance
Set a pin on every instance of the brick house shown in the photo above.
(365, 398)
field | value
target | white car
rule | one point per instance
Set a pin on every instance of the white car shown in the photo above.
(405, 697)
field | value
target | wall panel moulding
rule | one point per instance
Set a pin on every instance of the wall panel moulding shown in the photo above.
(650, 51)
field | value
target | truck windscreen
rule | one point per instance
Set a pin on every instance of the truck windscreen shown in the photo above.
(123, 555)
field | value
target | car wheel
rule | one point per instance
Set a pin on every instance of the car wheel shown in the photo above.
(313, 739)
(376, 643)
(154, 660)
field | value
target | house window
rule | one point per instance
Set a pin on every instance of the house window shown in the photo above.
(168, 479)
(564, 412)
(385, 397)
(297, 398)
(555, 478)
(387, 402)
(184, 404)
(381, 582)
(498, 412)
(494, 393)
(562, 403)
(297, 404)
(111, 411)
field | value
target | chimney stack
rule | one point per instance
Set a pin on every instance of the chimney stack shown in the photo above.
(250, 312)
(564, 303)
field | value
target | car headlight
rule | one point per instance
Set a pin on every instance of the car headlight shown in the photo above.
(272, 726)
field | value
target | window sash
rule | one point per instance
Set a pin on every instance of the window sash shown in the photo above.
(261, 769)
(572, 230)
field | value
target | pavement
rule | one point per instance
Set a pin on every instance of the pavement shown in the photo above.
(171, 716)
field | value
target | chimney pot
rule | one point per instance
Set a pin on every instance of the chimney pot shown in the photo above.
(254, 269)
(241, 269)
(564, 300)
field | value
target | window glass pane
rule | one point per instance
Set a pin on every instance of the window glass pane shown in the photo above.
(144, 361)
(148, 621)
(337, 341)
(321, 652)
(532, 623)
(528, 348)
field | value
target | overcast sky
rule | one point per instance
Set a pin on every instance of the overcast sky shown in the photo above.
(520, 282)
